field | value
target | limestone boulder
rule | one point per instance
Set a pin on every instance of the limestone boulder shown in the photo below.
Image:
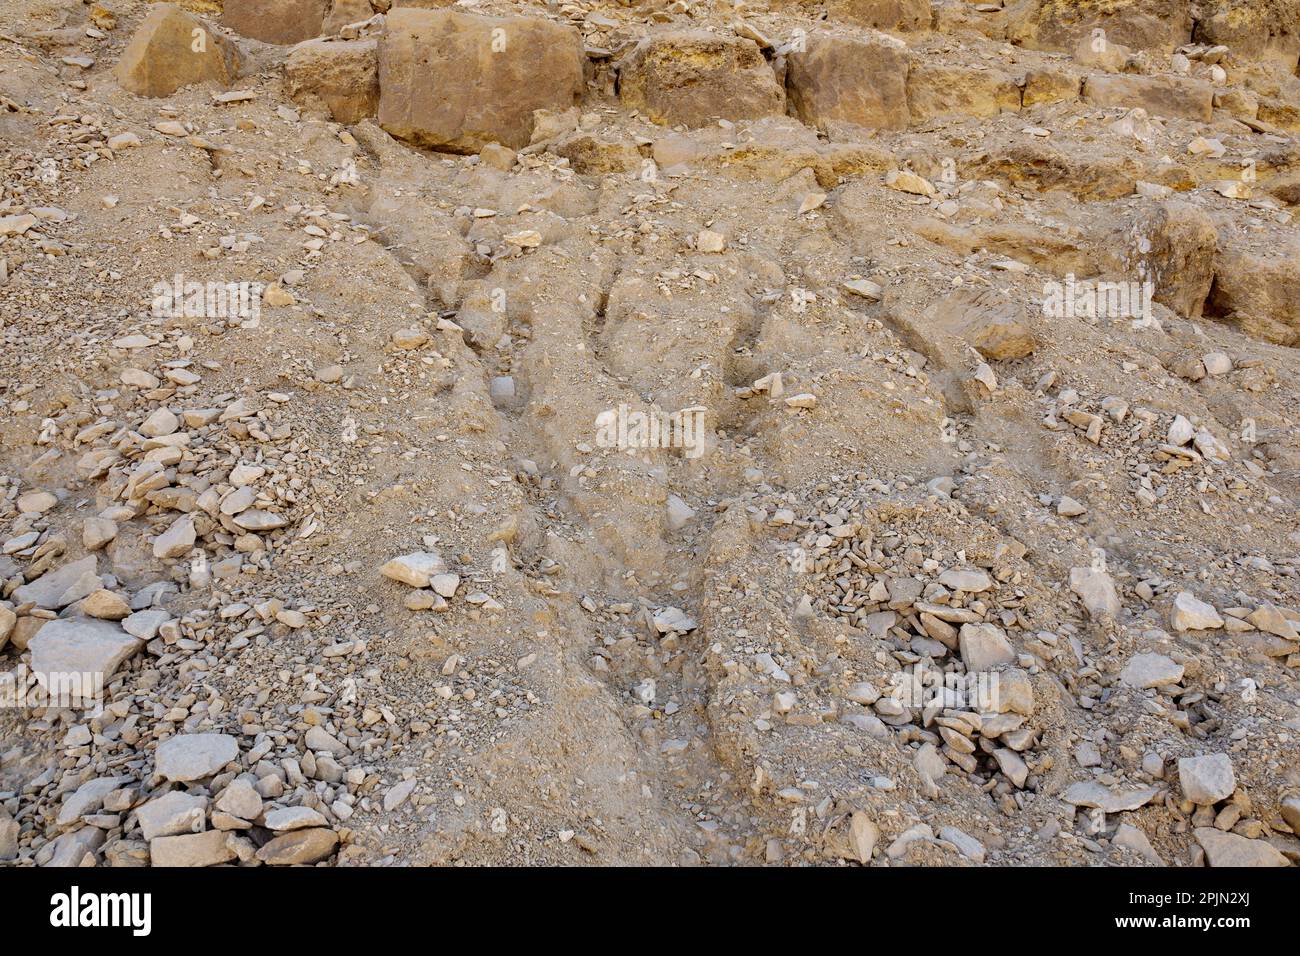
(1254, 29)
(340, 77)
(862, 82)
(1257, 289)
(170, 50)
(1170, 96)
(283, 22)
(940, 89)
(1173, 244)
(456, 81)
(1139, 24)
(695, 77)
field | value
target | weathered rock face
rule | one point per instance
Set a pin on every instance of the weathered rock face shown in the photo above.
(694, 77)
(1050, 86)
(839, 80)
(1158, 95)
(1259, 290)
(936, 89)
(171, 50)
(1254, 29)
(284, 21)
(340, 76)
(899, 15)
(457, 82)
(343, 12)
(1139, 24)
(1173, 244)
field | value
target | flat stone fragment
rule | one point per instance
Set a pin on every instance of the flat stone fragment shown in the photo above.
(49, 589)
(1231, 850)
(188, 757)
(1191, 614)
(397, 794)
(1127, 835)
(1089, 793)
(79, 655)
(1096, 589)
(972, 580)
(863, 836)
(88, 798)
(208, 848)
(175, 812)
(1150, 670)
(241, 799)
(416, 569)
(1268, 618)
(293, 818)
(970, 847)
(299, 847)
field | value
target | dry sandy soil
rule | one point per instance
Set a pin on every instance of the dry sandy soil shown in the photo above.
(594, 652)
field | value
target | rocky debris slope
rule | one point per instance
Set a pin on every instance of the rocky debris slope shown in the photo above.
(662, 433)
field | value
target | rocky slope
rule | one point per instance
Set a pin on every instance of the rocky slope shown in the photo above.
(848, 432)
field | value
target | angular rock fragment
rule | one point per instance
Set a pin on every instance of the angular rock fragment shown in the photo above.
(1096, 589)
(1232, 850)
(1208, 779)
(414, 569)
(171, 49)
(1190, 614)
(299, 847)
(208, 848)
(187, 757)
(1089, 793)
(174, 813)
(1150, 670)
(75, 657)
(984, 647)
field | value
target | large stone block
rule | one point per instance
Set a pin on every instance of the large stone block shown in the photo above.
(1138, 24)
(1158, 95)
(694, 77)
(276, 21)
(456, 81)
(339, 76)
(841, 80)
(939, 89)
(902, 16)
(170, 50)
